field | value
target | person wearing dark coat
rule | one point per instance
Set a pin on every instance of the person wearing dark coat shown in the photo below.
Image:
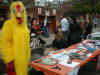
(1, 22)
(59, 41)
(76, 32)
(88, 27)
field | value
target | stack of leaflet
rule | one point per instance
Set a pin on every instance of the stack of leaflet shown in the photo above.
(97, 43)
(95, 36)
(64, 56)
(90, 47)
(61, 56)
(49, 61)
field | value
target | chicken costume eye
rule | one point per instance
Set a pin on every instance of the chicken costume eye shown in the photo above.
(14, 10)
(22, 10)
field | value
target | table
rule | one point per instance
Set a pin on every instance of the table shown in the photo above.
(47, 69)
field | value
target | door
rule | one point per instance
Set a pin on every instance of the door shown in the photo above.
(52, 24)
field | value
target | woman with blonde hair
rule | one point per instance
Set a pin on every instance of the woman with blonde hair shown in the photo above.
(59, 41)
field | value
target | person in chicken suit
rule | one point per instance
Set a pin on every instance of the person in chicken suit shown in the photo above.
(14, 41)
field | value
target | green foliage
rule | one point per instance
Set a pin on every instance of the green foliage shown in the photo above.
(86, 6)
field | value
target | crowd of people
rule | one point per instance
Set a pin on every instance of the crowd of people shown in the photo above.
(72, 31)
(39, 28)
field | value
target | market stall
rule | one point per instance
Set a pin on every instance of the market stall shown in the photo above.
(68, 61)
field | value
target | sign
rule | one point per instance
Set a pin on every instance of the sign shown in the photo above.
(54, 11)
(47, 12)
(39, 11)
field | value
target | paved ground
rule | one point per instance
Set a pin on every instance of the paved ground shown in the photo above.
(89, 69)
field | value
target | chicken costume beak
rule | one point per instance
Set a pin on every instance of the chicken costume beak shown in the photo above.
(19, 18)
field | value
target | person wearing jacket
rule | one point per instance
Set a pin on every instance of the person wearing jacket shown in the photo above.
(59, 42)
(88, 27)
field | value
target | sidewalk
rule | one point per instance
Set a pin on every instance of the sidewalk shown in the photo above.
(48, 41)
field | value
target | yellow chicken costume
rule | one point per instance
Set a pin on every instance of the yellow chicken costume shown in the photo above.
(14, 40)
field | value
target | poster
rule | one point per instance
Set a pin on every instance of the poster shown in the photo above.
(39, 11)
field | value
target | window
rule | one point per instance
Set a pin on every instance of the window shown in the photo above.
(50, 3)
(5, 1)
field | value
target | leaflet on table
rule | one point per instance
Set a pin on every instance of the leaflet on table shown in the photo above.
(84, 45)
(51, 53)
(88, 55)
(74, 50)
(80, 46)
(60, 56)
(72, 65)
(96, 33)
(97, 43)
(64, 54)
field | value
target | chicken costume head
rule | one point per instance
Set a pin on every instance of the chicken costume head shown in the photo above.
(14, 40)
(18, 12)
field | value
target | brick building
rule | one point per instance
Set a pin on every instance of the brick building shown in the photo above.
(34, 11)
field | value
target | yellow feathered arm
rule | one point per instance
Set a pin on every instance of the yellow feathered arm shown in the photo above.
(6, 43)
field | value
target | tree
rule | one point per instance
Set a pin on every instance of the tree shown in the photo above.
(86, 6)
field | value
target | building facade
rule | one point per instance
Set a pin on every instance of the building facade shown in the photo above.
(34, 11)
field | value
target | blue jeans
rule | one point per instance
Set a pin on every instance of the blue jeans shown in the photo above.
(46, 32)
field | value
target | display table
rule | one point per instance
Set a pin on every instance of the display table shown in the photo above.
(64, 70)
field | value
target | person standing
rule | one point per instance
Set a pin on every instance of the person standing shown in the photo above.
(82, 20)
(46, 26)
(65, 26)
(1, 22)
(29, 21)
(76, 32)
(15, 41)
(88, 27)
(95, 22)
(35, 23)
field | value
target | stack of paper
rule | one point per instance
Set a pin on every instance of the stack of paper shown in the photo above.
(72, 65)
(60, 56)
